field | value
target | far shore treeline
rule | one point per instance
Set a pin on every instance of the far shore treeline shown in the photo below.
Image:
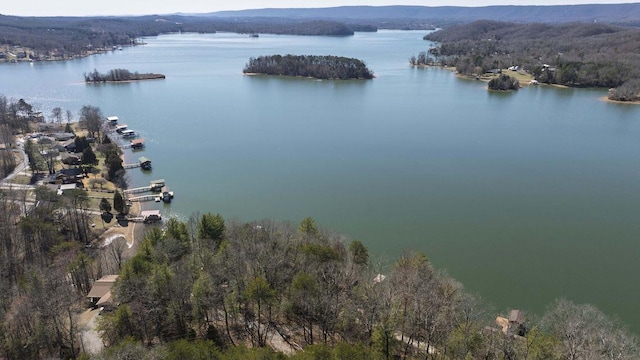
(318, 67)
(575, 55)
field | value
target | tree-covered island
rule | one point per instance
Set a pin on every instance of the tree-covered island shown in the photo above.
(118, 75)
(312, 66)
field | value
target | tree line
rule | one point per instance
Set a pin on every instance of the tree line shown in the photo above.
(15, 116)
(319, 67)
(577, 54)
(221, 285)
(66, 37)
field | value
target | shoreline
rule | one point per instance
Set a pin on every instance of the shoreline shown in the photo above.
(523, 82)
(606, 99)
(307, 77)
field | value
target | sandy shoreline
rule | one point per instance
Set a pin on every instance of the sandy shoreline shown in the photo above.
(606, 99)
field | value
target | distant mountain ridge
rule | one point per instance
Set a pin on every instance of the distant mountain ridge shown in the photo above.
(609, 13)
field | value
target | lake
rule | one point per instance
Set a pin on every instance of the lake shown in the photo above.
(524, 197)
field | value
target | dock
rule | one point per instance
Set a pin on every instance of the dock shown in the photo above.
(143, 163)
(158, 187)
(154, 185)
(131, 166)
(142, 198)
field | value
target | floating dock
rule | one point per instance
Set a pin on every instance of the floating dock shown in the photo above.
(156, 186)
(143, 163)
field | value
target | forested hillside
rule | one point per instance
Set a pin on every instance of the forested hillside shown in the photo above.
(42, 38)
(444, 15)
(579, 54)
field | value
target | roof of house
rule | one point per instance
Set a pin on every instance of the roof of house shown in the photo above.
(64, 187)
(70, 172)
(516, 316)
(102, 286)
(104, 299)
(63, 136)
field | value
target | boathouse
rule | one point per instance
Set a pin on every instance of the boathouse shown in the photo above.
(150, 216)
(112, 120)
(128, 134)
(145, 163)
(157, 185)
(137, 144)
(121, 128)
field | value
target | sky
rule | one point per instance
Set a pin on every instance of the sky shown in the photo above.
(149, 7)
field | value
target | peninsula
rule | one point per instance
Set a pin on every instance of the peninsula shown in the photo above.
(311, 66)
(574, 55)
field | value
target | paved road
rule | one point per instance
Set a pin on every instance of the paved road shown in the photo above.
(11, 186)
(19, 167)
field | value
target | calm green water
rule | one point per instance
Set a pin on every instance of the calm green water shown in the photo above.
(524, 197)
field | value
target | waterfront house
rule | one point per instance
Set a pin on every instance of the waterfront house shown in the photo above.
(69, 159)
(67, 176)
